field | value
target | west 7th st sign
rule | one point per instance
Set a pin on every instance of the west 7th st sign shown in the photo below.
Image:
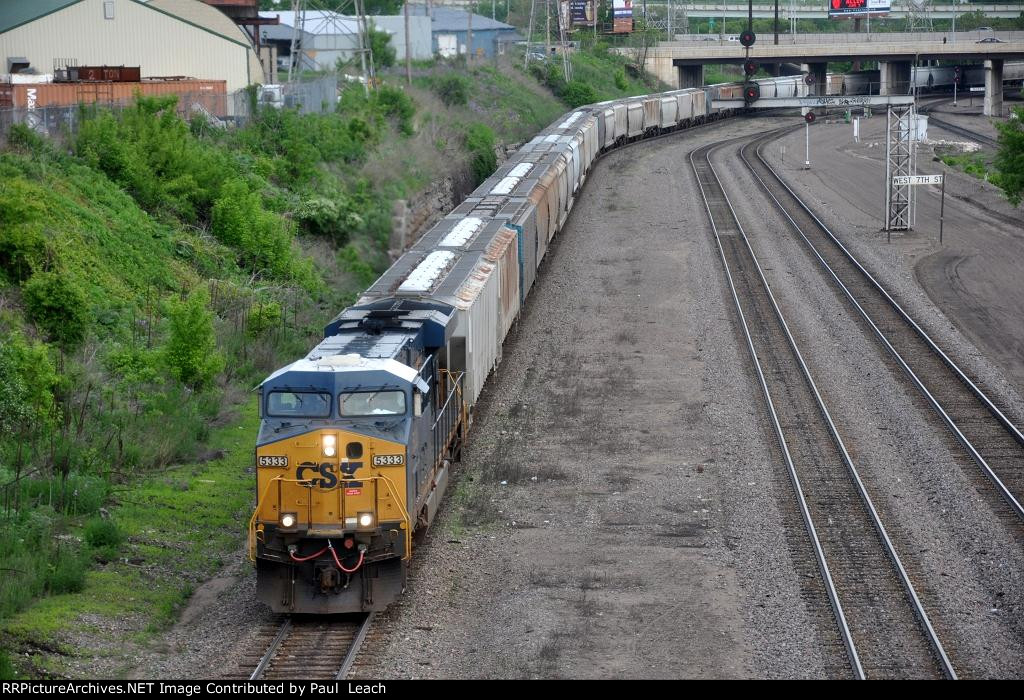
(917, 180)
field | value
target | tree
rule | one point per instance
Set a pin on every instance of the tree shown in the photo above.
(1010, 158)
(191, 352)
(383, 52)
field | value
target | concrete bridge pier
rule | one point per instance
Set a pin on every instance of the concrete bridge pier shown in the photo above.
(894, 77)
(690, 76)
(819, 72)
(993, 88)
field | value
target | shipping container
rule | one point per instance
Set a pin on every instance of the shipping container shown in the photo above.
(211, 95)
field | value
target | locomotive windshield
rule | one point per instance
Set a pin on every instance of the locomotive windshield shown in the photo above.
(372, 403)
(298, 404)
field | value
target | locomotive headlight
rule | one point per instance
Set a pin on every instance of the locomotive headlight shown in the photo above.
(365, 519)
(288, 519)
(330, 445)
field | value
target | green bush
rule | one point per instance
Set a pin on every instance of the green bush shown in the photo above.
(395, 104)
(56, 304)
(620, 80)
(28, 379)
(149, 150)
(103, 533)
(191, 351)
(22, 244)
(263, 317)
(577, 94)
(383, 52)
(480, 143)
(66, 572)
(453, 89)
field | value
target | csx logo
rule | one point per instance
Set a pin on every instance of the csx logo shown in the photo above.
(327, 479)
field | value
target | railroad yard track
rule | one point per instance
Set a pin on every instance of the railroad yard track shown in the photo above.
(883, 625)
(318, 648)
(929, 109)
(993, 446)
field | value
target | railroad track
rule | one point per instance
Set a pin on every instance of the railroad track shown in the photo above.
(312, 649)
(883, 625)
(993, 446)
(953, 128)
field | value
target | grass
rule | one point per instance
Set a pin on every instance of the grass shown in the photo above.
(179, 528)
(975, 164)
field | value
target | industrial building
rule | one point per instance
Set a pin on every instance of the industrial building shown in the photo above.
(164, 38)
(324, 38)
(455, 32)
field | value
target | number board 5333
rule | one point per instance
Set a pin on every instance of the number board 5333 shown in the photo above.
(272, 461)
(388, 460)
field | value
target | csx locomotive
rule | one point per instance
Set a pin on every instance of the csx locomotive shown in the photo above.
(357, 437)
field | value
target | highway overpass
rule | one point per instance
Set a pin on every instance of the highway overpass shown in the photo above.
(681, 64)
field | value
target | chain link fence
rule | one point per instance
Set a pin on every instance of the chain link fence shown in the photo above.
(60, 122)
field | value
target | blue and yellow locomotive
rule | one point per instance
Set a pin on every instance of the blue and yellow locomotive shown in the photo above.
(352, 457)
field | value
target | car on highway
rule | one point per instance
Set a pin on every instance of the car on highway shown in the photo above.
(989, 40)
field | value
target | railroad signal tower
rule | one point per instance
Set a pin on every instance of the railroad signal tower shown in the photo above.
(898, 163)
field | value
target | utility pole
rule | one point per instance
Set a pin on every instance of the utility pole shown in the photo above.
(362, 46)
(469, 35)
(529, 35)
(776, 23)
(547, 30)
(408, 48)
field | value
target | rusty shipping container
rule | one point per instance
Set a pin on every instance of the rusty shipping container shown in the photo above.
(210, 94)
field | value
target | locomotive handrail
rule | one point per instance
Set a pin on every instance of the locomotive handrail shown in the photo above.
(392, 492)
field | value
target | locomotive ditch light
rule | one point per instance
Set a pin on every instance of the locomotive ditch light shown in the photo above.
(330, 445)
(288, 520)
(366, 520)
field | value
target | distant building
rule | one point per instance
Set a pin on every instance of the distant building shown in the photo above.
(162, 37)
(326, 37)
(454, 34)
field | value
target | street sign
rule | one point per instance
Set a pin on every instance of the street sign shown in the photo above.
(917, 180)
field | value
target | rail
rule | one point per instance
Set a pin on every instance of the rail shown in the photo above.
(718, 199)
(1013, 432)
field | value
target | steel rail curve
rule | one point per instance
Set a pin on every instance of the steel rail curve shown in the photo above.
(1012, 500)
(710, 178)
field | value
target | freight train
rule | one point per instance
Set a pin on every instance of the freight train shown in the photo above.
(357, 438)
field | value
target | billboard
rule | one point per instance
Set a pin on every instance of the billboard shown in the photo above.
(582, 12)
(857, 8)
(622, 16)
